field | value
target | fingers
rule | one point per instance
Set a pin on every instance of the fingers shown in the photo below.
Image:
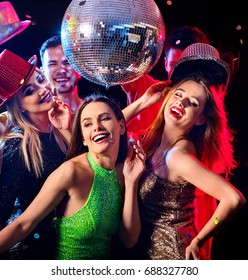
(59, 103)
(139, 152)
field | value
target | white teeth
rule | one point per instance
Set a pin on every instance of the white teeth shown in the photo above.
(176, 111)
(99, 137)
(61, 80)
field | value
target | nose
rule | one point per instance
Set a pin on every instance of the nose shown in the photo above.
(61, 68)
(96, 125)
(180, 102)
(48, 86)
(45, 86)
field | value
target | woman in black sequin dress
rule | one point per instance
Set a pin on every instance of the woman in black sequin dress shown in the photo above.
(32, 145)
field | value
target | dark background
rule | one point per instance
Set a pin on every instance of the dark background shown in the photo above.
(220, 20)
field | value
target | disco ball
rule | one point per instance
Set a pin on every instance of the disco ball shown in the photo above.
(112, 42)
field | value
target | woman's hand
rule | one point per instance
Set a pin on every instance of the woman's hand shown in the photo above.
(134, 164)
(156, 92)
(60, 115)
(193, 251)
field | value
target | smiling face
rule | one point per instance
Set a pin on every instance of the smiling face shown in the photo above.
(184, 108)
(58, 71)
(100, 128)
(36, 96)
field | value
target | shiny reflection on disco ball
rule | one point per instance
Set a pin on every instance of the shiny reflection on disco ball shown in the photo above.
(112, 42)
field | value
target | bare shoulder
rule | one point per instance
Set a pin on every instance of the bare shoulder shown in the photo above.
(75, 168)
(182, 152)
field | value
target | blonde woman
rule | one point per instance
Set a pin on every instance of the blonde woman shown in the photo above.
(33, 143)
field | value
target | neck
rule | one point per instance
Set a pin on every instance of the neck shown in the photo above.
(104, 160)
(71, 99)
(170, 134)
(41, 122)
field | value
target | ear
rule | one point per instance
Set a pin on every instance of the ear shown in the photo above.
(84, 143)
(201, 120)
(165, 64)
(122, 127)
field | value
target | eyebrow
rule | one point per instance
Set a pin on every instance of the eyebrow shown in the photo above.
(52, 60)
(180, 89)
(88, 118)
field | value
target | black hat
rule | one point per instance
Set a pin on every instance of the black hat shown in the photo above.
(204, 60)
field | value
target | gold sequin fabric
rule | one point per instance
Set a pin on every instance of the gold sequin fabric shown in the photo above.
(167, 216)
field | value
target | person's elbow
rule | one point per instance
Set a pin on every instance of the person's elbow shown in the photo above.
(242, 200)
(238, 200)
(131, 240)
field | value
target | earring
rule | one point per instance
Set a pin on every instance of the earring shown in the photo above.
(22, 110)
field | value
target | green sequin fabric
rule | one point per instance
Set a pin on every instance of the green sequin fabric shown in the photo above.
(87, 233)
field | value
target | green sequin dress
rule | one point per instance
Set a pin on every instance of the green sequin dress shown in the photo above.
(87, 233)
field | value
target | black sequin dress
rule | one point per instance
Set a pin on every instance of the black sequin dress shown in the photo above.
(167, 217)
(18, 187)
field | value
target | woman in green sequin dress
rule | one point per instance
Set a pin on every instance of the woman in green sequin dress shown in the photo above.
(94, 191)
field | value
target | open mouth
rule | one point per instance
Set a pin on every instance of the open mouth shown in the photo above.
(100, 137)
(46, 98)
(61, 80)
(176, 112)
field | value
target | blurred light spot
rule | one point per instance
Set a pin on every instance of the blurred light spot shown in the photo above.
(188, 235)
(238, 27)
(36, 235)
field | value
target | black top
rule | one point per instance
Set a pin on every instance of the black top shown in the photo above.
(18, 187)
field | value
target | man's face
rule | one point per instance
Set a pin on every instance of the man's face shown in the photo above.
(58, 71)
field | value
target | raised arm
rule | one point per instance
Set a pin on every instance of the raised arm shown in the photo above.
(49, 196)
(134, 166)
(60, 117)
(152, 95)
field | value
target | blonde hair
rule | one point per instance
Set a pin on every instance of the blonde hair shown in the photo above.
(31, 146)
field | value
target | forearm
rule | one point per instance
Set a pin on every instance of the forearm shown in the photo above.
(134, 109)
(13, 233)
(152, 95)
(222, 215)
(130, 225)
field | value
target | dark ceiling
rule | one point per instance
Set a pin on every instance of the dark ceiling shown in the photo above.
(218, 18)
